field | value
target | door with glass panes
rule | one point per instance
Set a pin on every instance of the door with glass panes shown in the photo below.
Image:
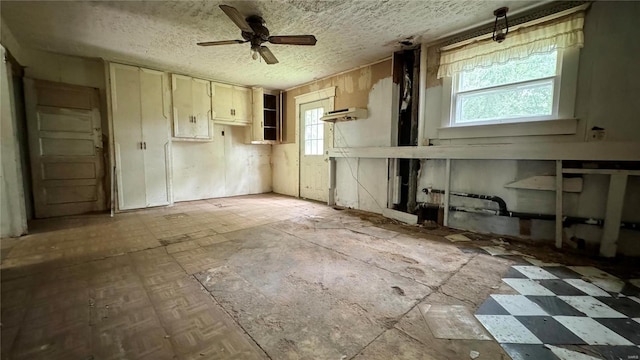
(315, 139)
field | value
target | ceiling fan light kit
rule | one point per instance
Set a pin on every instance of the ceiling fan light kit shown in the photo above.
(254, 31)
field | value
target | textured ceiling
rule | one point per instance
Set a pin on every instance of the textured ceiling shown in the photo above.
(163, 34)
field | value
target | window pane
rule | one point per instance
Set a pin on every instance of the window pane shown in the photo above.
(528, 100)
(307, 117)
(536, 66)
(314, 132)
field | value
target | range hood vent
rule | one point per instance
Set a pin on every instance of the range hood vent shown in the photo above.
(344, 114)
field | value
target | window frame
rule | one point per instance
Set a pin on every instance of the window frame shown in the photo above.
(565, 84)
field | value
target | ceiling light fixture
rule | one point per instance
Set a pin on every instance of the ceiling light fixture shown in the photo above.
(498, 34)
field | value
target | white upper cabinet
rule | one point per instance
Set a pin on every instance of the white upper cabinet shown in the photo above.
(242, 104)
(222, 102)
(231, 105)
(191, 107)
(265, 127)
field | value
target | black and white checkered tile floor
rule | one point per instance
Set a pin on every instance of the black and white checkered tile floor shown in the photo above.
(559, 307)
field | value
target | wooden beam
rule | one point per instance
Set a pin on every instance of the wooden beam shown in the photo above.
(559, 231)
(595, 151)
(613, 216)
(447, 188)
(332, 182)
(400, 216)
(602, 171)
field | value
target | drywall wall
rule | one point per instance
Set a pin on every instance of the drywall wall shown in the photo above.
(13, 218)
(607, 94)
(367, 87)
(362, 183)
(222, 167)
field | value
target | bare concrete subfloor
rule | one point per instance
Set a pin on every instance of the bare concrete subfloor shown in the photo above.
(253, 277)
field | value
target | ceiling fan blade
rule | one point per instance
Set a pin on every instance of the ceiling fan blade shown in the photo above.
(293, 40)
(224, 42)
(236, 17)
(267, 55)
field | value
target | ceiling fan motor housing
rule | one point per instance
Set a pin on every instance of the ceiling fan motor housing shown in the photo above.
(260, 32)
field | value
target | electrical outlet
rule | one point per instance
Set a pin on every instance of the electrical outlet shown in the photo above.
(597, 134)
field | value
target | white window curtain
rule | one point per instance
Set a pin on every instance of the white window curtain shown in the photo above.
(559, 33)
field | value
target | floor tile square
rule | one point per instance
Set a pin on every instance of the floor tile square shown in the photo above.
(491, 307)
(586, 287)
(591, 306)
(562, 272)
(519, 305)
(549, 330)
(567, 354)
(617, 352)
(627, 328)
(630, 290)
(591, 331)
(561, 287)
(507, 329)
(555, 306)
(528, 352)
(541, 263)
(528, 287)
(514, 274)
(600, 278)
(535, 272)
(453, 322)
(625, 305)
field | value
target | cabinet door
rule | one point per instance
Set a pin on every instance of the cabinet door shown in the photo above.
(201, 108)
(257, 127)
(242, 105)
(222, 102)
(127, 131)
(183, 124)
(155, 137)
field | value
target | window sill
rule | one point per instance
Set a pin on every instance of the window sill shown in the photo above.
(530, 128)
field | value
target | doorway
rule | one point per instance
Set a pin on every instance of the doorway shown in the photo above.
(65, 146)
(315, 138)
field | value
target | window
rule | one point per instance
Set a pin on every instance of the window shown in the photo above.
(518, 90)
(529, 77)
(313, 132)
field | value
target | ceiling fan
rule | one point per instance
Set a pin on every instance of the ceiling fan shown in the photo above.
(255, 32)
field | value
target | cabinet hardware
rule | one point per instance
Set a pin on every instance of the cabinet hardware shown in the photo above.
(145, 145)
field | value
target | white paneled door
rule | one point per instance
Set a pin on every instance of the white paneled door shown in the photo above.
(315, 139)
(65, 143)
